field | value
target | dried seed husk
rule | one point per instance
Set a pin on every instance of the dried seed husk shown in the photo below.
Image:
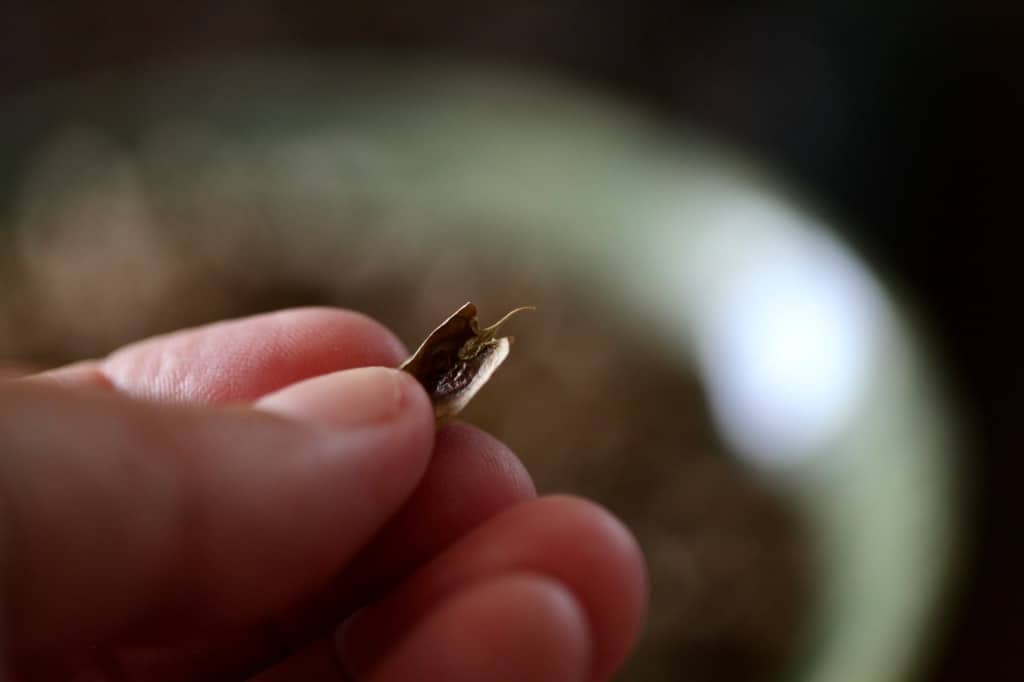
(457, 359)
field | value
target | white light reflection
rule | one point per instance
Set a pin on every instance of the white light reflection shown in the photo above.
(788, 335)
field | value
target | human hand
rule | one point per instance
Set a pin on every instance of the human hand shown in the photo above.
(218, 503)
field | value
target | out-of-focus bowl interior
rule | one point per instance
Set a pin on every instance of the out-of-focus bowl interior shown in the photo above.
(709, 360)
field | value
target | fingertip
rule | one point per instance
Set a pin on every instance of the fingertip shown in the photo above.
(381, 416)
(614, 556)
(496, 460)
(513, 627)
(618, 539)
(351, 398)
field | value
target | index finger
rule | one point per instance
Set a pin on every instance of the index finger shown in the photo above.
(241, 360)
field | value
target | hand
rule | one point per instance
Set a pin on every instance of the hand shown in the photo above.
(218, 503)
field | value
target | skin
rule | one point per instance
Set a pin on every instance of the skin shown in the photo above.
(261, 499)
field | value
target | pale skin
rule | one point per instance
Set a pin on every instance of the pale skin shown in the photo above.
(216, 504)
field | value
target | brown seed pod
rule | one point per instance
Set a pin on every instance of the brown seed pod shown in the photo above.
(457, 359)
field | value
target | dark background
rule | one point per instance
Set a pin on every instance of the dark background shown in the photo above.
(898, 118)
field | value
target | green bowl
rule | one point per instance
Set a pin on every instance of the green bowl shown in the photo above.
(816, 376)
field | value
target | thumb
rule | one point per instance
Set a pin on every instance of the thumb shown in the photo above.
(118, 516)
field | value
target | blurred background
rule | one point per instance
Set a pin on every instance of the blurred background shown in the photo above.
(773, 245)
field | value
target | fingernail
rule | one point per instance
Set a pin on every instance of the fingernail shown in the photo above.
(350, 398)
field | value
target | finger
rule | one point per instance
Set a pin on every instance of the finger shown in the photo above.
(471, 478)
(511, 629)
(134, 517)
(516, 627)
(241, 360)
(571, 540)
